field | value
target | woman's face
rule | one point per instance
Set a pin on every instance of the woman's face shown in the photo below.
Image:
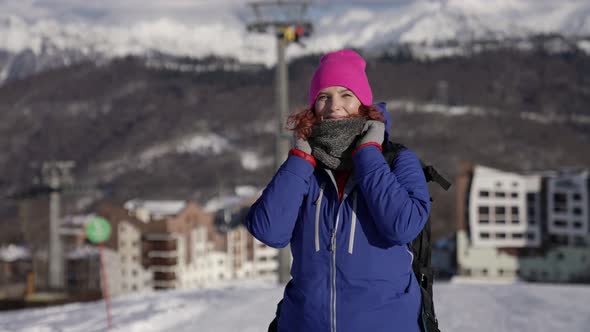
(336, 102)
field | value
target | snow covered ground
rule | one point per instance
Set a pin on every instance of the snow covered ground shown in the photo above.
(250, 307)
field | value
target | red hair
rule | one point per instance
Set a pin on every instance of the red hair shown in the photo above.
(302, 121)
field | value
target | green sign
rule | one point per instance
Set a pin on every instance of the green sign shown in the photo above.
(98, 230)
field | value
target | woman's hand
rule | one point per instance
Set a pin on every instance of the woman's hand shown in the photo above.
(373, 132)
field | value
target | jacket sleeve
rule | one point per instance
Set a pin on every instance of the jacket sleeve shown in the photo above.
(398, 198)
(272, 217)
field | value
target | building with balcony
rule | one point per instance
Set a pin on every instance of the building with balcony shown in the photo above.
(177, 244)
(529, 226)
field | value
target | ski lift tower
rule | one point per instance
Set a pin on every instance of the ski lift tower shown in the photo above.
(285, 19)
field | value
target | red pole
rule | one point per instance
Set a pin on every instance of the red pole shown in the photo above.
(105, 287)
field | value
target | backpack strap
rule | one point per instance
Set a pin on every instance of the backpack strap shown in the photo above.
(391, 150)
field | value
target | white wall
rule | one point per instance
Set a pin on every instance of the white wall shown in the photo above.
(498, 209)
(134, 278)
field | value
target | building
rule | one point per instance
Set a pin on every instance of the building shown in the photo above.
(568, 217)
(178, 244)
(252, 258)
(530, 226)
(504, 209)
(15, 267)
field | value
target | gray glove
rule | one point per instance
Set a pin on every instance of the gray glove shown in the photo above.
(374, 131)
(302, 144)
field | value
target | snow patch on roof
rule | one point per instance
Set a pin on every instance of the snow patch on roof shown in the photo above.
(13, 253)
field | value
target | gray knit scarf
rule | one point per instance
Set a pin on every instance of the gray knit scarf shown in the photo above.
(332, 141)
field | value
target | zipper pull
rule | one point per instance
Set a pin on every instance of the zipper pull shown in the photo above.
(333, 242)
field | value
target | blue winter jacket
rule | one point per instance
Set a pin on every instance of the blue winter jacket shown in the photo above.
(352, 267)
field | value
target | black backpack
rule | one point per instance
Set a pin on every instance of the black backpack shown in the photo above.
(421, 248)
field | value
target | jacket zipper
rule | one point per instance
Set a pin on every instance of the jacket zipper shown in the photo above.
(333, 284)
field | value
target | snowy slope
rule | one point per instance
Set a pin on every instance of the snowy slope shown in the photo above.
(199, 28)
(251, 306)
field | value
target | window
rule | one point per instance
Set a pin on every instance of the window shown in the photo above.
(577, 197)
(514, 195)
(577, 211)
(484, 210)
(500, 235)
(531, 197)
(484, 235)
(501, 221)
(514, 210)
(531, 211)
(484, 221)
(560, 223)
(559, 202)
(517, 235)
(577, 224)
(515, 221)
(530, 236)
(559, 239)
(500, 194)
(484, 272)
(500, 210)
(483, 193)
(580, 241)
(532, 221)
(500, 271)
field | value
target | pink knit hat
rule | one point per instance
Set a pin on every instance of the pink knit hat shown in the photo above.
(341, 68)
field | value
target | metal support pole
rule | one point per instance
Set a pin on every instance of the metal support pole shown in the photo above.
(283, 141)
(278, 26)
(56, 268)
(56, 174)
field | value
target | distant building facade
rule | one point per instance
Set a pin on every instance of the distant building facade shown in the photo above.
(526, 226)
(177, 244)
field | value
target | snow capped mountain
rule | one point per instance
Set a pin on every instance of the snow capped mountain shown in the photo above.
(68, 30)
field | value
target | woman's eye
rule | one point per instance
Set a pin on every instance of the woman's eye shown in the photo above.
(347, 95)
(322, 98)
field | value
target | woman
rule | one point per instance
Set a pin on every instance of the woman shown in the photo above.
(347, 214)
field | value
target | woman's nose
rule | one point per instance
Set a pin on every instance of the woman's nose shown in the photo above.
(335, 104)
